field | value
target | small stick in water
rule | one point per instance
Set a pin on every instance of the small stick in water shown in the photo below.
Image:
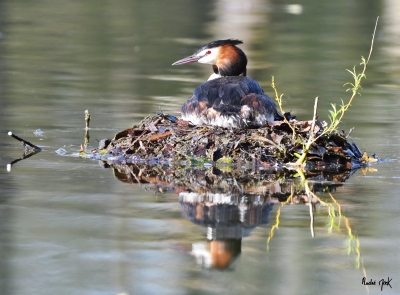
(87, 118)
(24, 156)
(24, 141)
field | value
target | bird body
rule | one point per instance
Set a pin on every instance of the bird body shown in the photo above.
(229, 98)
(232, 101)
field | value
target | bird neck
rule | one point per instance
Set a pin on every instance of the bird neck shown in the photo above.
(231, 62)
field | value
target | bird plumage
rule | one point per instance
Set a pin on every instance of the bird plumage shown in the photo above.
(232, 101)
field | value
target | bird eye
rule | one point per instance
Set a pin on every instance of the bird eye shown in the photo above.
(208, 52)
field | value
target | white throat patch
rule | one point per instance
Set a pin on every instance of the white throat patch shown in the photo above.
(214, 76)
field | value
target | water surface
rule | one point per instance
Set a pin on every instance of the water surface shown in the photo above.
(69, 226)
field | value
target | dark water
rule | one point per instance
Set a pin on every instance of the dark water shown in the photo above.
(69, 226)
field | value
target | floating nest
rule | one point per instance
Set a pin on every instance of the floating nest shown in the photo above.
(165, 140)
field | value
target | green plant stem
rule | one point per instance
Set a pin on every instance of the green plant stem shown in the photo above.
(336, 121)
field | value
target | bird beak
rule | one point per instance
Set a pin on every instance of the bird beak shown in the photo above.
(187, 60)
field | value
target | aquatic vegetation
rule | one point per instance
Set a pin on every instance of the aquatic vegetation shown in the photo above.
(336, 114)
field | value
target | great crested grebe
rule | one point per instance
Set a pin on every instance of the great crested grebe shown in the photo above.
(228, 98)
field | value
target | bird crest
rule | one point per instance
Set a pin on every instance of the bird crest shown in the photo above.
(219, 43)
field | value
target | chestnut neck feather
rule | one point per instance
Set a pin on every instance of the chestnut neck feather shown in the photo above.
(231, 62)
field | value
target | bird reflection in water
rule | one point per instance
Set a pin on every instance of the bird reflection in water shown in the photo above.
(228, 218)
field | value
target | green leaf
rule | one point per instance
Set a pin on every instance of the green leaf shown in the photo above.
(225, 160)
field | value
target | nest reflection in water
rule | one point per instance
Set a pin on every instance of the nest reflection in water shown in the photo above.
(231, 203)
